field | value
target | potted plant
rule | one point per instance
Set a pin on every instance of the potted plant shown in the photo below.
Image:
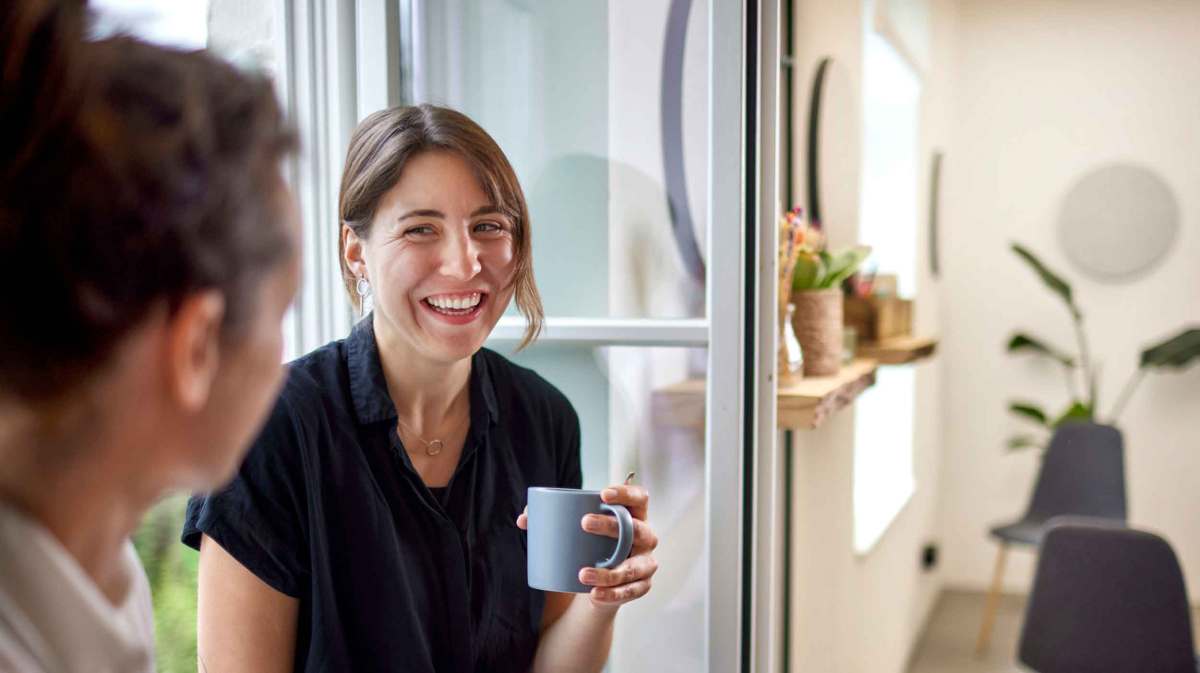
(1080, 370)
(817, 299)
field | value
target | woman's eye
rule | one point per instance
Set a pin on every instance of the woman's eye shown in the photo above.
(419, 230)
(488, 227)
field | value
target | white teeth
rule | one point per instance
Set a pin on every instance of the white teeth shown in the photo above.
(455, 303)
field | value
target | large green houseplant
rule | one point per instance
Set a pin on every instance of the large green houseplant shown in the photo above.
(1079, 368)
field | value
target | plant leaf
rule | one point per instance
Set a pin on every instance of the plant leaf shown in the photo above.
(826, 261)
(807, 271)
(1029, 411)
(1017, 442)
(1175, 352)
(1078, 411)
(1021, 341)
(845, 263)
(1051, 279)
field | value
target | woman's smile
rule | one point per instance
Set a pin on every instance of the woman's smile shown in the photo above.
(460, 308)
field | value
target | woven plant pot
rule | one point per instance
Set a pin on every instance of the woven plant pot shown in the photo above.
(817, 322)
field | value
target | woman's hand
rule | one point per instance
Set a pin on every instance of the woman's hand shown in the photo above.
(631, 579)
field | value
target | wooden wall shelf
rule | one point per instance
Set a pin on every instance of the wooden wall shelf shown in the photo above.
(898, 350)
(804, 403)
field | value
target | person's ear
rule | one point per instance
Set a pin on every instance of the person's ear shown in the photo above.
(353, 251)
(193, 348)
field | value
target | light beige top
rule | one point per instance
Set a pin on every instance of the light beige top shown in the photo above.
(54, 619)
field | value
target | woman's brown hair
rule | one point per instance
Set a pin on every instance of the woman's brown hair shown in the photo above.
(131, 175)
(379, 149)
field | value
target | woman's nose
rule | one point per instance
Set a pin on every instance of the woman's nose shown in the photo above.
(460, 258)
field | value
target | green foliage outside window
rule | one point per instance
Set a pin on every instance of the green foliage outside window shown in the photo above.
(171, 568)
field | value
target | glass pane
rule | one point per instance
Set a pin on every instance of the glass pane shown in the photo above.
(602, 109)
(636, 416)
(182, 24)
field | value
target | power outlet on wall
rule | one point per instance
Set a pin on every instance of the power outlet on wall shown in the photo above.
(929, 556)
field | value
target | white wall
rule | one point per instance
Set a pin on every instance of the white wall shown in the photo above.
(851, 613)
(863, 613)
(1045, 90)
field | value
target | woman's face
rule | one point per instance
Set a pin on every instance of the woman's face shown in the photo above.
(440, 259)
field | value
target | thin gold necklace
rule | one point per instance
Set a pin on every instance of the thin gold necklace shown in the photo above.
(432, 446)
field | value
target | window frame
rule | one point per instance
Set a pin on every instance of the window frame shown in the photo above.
(331, 78)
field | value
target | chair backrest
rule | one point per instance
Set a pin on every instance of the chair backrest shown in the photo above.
(1107, 599)
(1083, 473)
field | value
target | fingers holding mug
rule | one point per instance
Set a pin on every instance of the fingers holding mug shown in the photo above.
(644, 538)
(635, 569)
(633, 497)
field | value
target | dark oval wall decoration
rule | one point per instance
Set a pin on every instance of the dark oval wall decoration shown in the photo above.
(813, 187)
(674, 169)
(935, 190)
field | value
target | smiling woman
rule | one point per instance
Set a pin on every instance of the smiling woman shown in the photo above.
(443, 147)
(391, 478)
(440, 262)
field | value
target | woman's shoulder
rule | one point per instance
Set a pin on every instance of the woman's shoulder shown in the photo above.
(521, 389)
(322, 362)
(315, 377)
(515, 382)
(311, 400)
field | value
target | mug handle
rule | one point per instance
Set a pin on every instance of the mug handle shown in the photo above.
(624, 536)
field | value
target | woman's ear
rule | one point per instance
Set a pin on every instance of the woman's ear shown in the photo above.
(193, 348)
(353, 251)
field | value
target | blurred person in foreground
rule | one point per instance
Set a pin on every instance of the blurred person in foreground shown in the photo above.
(148, 252)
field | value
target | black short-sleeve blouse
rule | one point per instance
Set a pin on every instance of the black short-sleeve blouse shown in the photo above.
(328, 508)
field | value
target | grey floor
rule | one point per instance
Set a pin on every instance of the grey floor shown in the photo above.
(949, 641)
(948, 645)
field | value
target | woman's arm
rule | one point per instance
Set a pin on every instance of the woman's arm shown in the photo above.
(242, 623)
(576, 635)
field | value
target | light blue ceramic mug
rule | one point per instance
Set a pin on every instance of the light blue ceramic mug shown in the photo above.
(559, 547)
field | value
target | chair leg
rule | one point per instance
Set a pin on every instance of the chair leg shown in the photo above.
(993, 600)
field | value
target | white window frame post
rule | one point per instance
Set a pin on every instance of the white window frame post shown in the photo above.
(745, 478)
(318, 87)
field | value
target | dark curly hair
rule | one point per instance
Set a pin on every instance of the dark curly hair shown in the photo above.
(130, 176)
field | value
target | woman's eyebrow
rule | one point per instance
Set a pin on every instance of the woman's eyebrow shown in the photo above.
(423, 212)
(428, 212)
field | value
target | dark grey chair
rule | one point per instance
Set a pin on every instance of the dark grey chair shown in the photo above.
(1107, 599)
(1083, 473)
